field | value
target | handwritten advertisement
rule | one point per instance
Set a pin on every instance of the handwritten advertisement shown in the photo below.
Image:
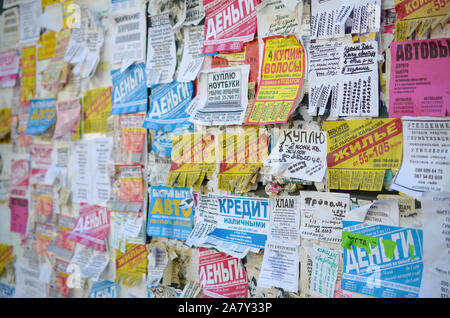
(325, 262)
(299, 154)
(322, 214)
(351, 80)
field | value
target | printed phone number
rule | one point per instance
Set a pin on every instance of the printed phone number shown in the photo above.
(375, 152)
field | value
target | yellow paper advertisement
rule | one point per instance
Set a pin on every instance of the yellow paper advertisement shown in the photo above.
(193, 159)
(131, 265)
(234, 59)
(47, 43)
(68, 13)
(6, 256)
(282, 73)
(28, 83)
(5, 123)
(421, 16)
(56, 73)
(360, 151)
(241, 157)
(97, 105)
(49, 2)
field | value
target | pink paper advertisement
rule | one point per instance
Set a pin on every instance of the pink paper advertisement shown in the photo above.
(418, 86)
(41, 159)
(221, 275)
(228, 25)
(67, 117)
(19, 215)
(9, 68)
(91, 227)
(20, 174)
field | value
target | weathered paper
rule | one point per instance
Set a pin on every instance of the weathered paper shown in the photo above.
(90, 262)
(284, 220)
(129, 37)
(9, 27)
(346, 73)
(228, 25)
(192, 59)
(435, 222)
(280, 266)
(161, 50)
(9, 68)
(322, 214)
(418, 87)
(299, 154)
(223, 96)
(325, 264)
(29, 26)
(426, 163)
(379, 212)
(213, 281)
(90, 182)
(360, 151)
(280, 86)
